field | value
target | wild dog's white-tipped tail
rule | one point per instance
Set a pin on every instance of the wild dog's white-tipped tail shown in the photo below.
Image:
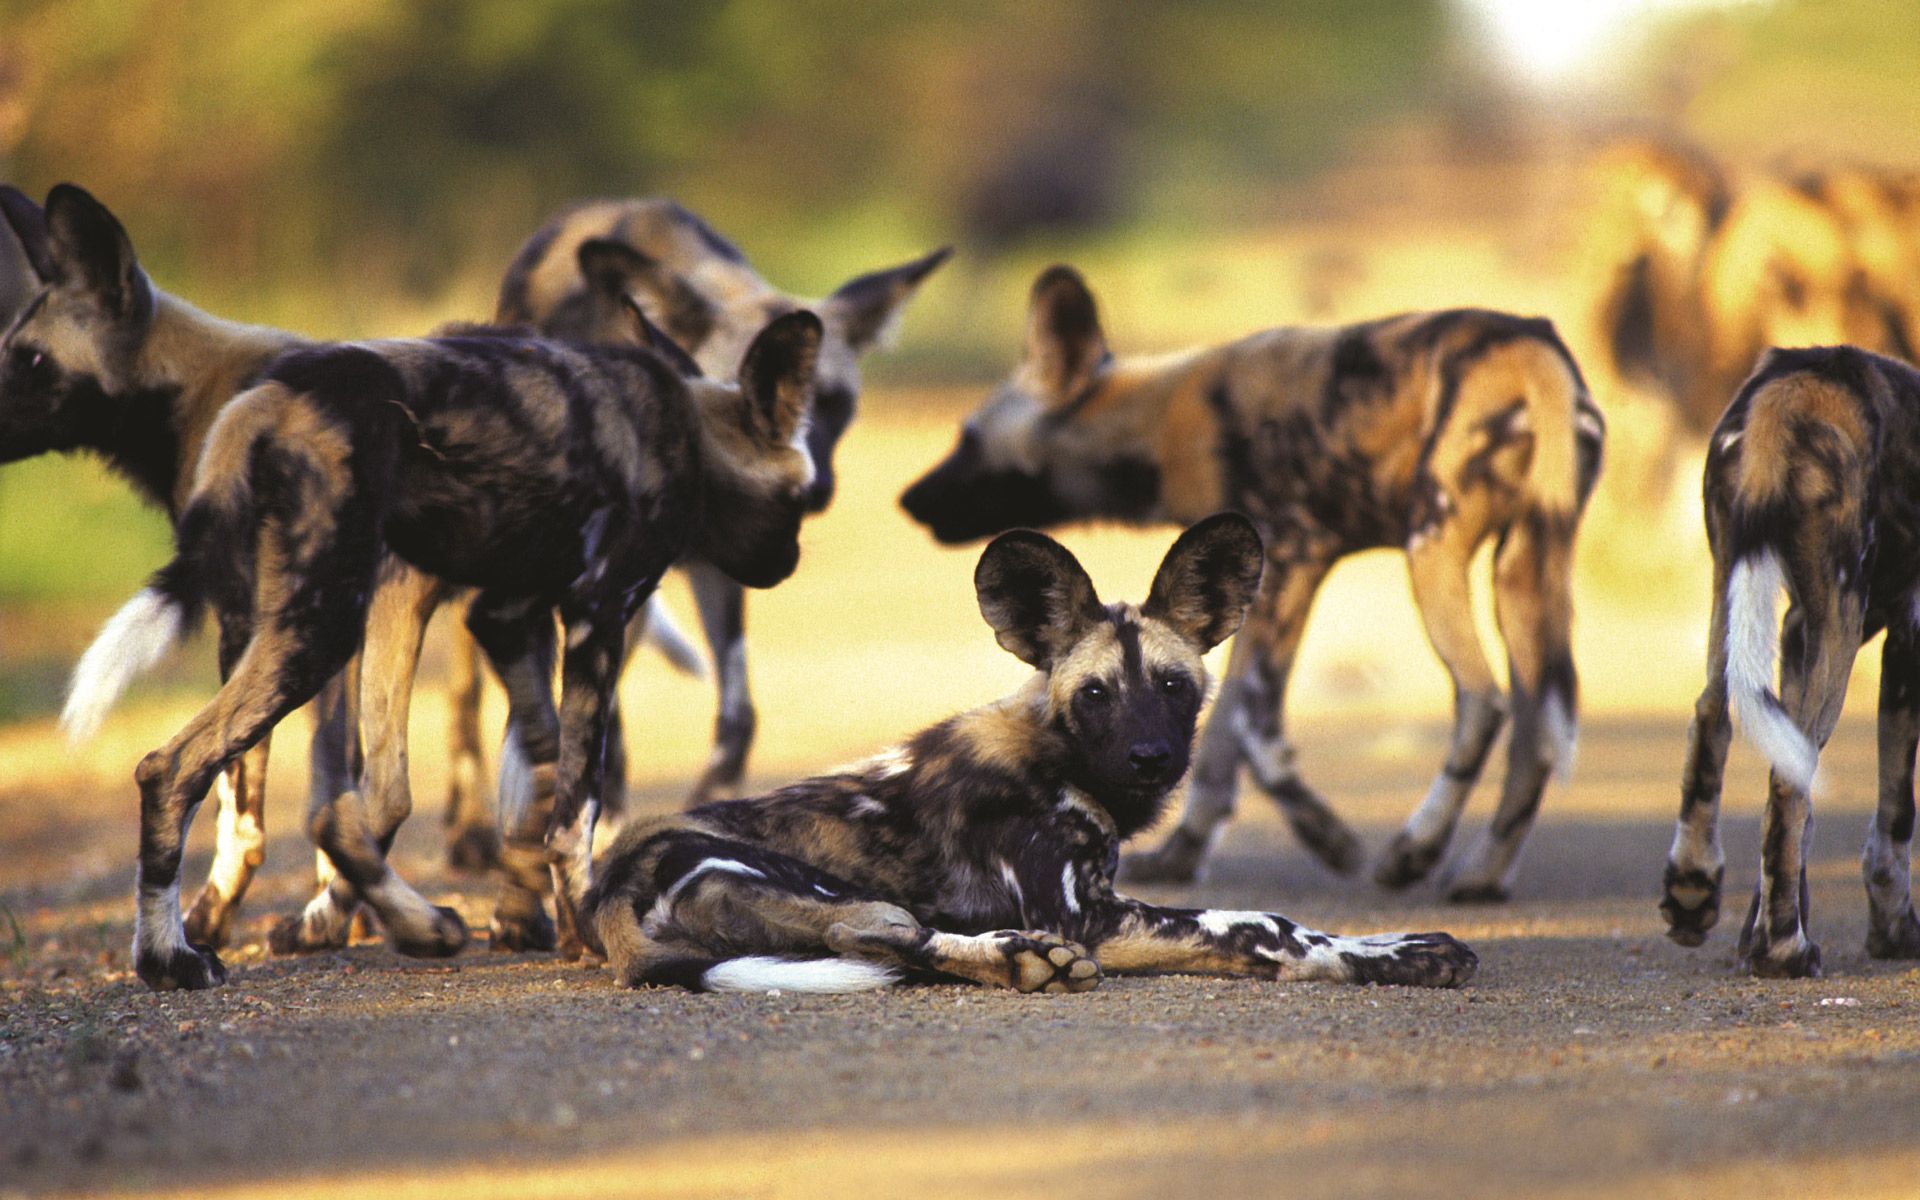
(763, 974)
(131, 642)
(672, 642)
(1753, 642)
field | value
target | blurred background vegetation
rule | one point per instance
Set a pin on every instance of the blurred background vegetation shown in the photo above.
(359, 167)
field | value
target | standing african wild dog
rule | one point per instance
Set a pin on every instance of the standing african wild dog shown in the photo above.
(701, 290)
(99, 360)
(547, 475)
(984, 847)
(1810, 489)
(1431, 432)
(1703, 272)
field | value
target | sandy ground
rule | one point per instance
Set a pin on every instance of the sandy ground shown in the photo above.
(1589, 1058)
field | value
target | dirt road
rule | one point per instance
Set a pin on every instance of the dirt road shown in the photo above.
(1590, 1057)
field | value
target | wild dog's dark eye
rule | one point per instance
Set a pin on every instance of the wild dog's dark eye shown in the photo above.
(1093, 693)
(1175, 685)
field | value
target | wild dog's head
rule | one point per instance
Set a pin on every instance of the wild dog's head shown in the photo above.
(1036, 453)
(76, 342)
(719, 324)
(1124, 683)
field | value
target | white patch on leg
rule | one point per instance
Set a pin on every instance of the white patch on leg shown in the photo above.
(666, 636)
(1562, 735)
(130, 643)
(157, 931)
(236, 835)
(1222, 921)
(1068, 891)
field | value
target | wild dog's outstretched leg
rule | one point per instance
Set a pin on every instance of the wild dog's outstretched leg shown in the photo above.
(723, 617)
(1696, 865)
(355, 828)
(473, 841)
(517, 636)
(1438, 562)
(1892, 930)
(1248, 725)
(589, 672)
(1532, 580)
(711, 919)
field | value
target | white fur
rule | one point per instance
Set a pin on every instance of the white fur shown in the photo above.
(672, 642)
(516, 780)
(1753, 641)
(130, 643)
(1563, 737)
(1219, 921)
(761, 974)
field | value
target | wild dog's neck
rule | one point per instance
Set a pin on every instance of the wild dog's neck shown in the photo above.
(188, 367)
(1131, 436)
(1036, 735)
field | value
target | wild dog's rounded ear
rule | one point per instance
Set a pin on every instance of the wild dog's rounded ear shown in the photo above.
(776, 377)
(616, 271)
(867, 308)
(1035, 595)
(89, 247)
(652, 337)
(1208, 579)
(1064, 343)
(29, 225)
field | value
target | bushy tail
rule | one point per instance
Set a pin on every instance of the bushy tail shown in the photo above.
(1753, 643)
(131, 643)
(758, 973)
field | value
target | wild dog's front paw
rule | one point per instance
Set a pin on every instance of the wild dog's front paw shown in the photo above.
(1406, 861)
(526, 931)
(211, 921)
(1902, 940)
(300, 935)
(442, 937)
(473, 848)
(1176, 860)
(1412, 960)
(1046, 962)
(1690, 902)
(189, 968)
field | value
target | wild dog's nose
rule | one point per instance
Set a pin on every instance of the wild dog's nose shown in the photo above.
(1150, 760)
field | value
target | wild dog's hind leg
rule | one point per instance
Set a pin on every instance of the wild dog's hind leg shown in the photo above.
(1438, 562)
(723, 617)
(1696, 865)
(240, 846)
(473, 840)
(589, 672)
(517, 636)
(1892, 929)
(1247, 725)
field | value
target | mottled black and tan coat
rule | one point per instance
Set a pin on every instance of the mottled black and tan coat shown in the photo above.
(984, 847)
(1430, 432)
(548, 476)
(1810, 491)
(567, 281)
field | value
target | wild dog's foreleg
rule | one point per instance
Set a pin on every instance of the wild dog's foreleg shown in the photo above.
(1126, 935)
(1247, 725)
(473, 840)
(517, 637)
(1817, 651)
(1696, 865)
(1892, 929)
(1438, 561)
(589, 672)
(723, 617)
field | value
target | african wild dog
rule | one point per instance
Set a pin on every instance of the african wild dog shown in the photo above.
(1702, 274)
(101, 361)
(984, 848)
(1809, 489)
(700, 289)
(547, 475)
(1432, 432)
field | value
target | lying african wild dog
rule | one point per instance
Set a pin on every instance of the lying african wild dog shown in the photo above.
(1809, 489)
(1432, 432)
(984, 847)
(99, 360)
(544, 474)
(701, 290)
